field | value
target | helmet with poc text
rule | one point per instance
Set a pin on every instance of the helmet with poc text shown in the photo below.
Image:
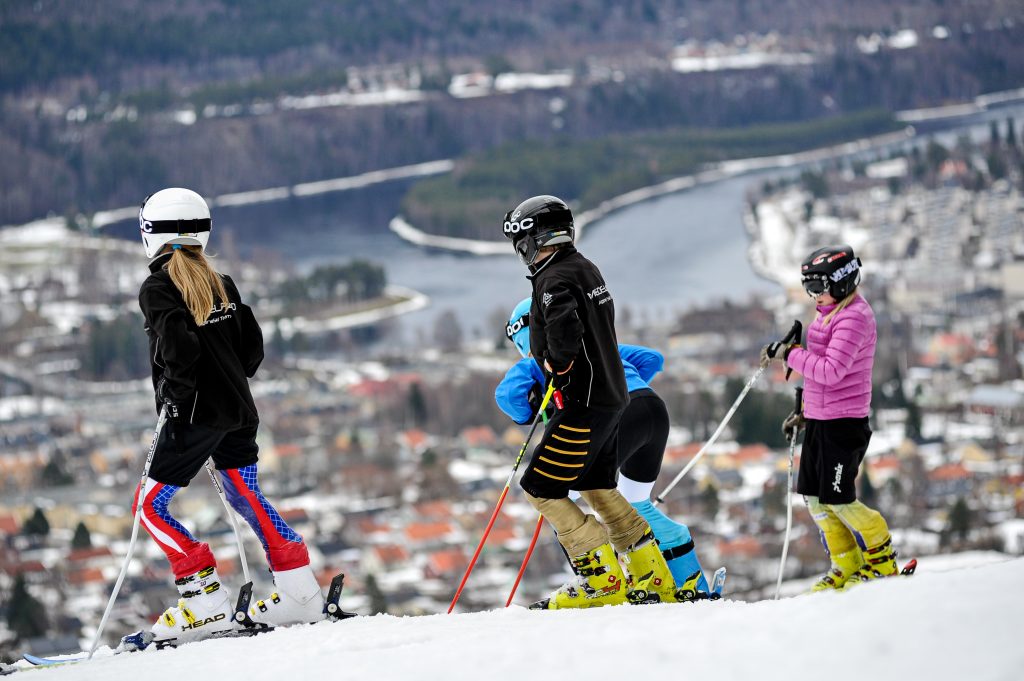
(174, 216)
(518, 328)
(538, 222)
(835, 269)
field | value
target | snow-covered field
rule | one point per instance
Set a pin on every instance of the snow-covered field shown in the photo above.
(959, 618)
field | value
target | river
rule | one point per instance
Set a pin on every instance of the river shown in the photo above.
(658, 257)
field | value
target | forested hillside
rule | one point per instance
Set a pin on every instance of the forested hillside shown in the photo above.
(102, 103)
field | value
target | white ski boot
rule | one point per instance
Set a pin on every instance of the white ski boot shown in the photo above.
(297, 599)
(204, 610)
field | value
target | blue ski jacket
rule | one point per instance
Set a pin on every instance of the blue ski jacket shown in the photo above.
(641, 364)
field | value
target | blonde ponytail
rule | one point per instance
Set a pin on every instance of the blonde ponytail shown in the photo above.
(198, 282)
(840, 306)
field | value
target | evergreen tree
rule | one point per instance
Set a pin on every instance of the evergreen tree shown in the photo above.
(1011, 132)
(868, 493)
(82, 538)
(26, 616)
(959, 519)
(912, 428)
(710, 498)
(54, 473)
(378, 601)
(37, 525)
(417, 405)
(774, 499)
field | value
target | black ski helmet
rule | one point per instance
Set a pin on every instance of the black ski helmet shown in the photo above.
(538, 222)
(835, 269)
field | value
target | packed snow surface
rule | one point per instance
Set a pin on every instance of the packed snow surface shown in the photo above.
(953, 620)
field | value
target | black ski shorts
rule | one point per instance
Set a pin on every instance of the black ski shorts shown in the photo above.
(183, 449)
(578, 451)
(830, 459)
(643, 432)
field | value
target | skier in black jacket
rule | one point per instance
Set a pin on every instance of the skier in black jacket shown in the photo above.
(204, 345)
(572, 317)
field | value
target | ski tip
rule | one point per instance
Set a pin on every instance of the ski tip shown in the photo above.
(37, 661)
(718, 582)
(909, 568)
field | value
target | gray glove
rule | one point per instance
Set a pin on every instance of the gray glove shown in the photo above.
(777, 351)
(792, 426)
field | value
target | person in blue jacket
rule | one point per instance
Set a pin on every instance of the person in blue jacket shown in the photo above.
(643, 432)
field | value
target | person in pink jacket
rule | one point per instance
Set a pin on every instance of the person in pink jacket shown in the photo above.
(836, 364)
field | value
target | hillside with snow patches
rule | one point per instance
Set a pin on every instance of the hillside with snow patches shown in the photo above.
(958, 618)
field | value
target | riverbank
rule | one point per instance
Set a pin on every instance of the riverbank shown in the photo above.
(721, 171)
(396, 301)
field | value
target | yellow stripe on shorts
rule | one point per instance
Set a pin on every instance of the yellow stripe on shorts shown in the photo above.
(563, 465)
(572, 442)
(555, 477)
(575, 430)
(562, 451)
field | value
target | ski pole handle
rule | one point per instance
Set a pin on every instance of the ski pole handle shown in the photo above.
(796, 333)
(548, 394)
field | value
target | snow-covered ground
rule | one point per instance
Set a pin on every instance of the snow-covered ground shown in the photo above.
(958, 618)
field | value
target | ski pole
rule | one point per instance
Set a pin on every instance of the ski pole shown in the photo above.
(526, 559)
(794, 332)
(789, 496)
(508, 483)
(231, 517)
(135, 530)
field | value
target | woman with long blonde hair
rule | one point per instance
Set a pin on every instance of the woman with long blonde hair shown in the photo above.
(204, 345)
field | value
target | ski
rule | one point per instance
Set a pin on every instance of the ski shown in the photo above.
(909, 568)
(143, 640)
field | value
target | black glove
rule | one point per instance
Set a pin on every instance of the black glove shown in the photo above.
(559, 380)
(792, 426)
(778, 351)
(535, 397)
(163, 394)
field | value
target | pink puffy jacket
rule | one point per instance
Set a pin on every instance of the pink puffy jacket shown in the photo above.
(837, 362)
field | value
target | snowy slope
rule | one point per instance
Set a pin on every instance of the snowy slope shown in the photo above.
(953, 620)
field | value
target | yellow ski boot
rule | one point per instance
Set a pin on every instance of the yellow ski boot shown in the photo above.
(844, 565)
(688, 591)
(879, 561)
(599, 581)
(650, 579)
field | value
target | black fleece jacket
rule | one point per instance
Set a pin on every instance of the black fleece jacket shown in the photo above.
(572, 321)
(206, 366)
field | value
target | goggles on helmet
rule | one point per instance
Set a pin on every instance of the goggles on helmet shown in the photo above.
(516, 326)
(526, 249)
(815, 284)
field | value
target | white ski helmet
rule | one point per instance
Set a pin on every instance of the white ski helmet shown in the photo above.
(174, 216)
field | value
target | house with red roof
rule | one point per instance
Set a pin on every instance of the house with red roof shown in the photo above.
(445, 564)
(479, 437)
(9, 525)
(948, 481)
(427, 534)
(384, 558)
(433, 510)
